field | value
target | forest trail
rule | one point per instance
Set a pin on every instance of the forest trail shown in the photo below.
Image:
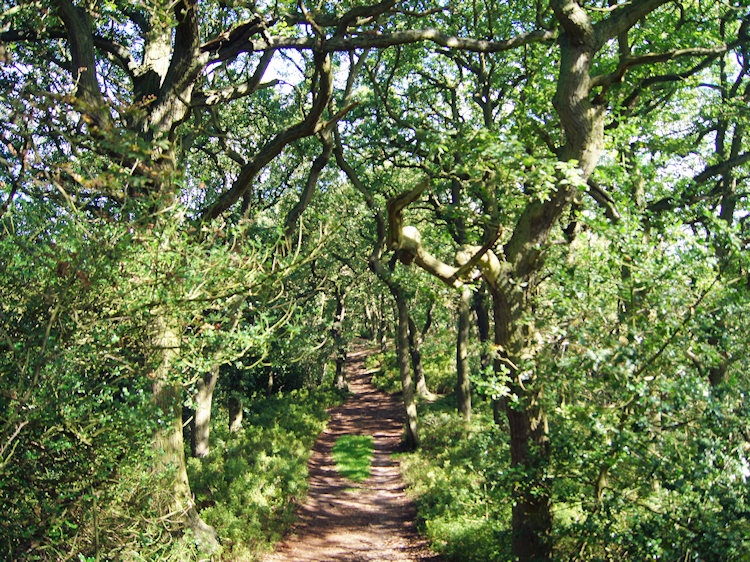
(342, 520)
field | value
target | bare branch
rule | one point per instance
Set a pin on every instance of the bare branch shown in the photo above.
(310, 125)
(626, 63)
(380, 225)
(229, 43)
(479, 255)
(395, 208)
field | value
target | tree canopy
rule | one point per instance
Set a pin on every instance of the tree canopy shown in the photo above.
(214, 198)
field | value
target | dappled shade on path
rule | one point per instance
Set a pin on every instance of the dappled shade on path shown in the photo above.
(368, 520)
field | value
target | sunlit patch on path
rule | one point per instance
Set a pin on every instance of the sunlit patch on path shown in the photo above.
(368, 520)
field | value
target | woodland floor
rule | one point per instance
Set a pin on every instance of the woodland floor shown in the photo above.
(342, 520)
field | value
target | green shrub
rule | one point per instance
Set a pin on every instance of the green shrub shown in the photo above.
(387, 377)
(251, 481)
(463, 511)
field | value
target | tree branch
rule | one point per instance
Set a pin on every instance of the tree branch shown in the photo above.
(722, 167)
(623, 17)
(312, 181)
(83, 67)
(598, 194)
(118, 54)
(367, 12)
(381, 40)
(308, 126)
(626, 63)
(380, 224)
(237, 91)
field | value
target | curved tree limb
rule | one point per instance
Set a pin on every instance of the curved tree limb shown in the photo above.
(310, 125)
(83, 63)
(626, 63)
(237, 91)
(382, 40)
(312, 181)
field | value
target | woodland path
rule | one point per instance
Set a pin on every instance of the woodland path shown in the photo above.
(342, 520)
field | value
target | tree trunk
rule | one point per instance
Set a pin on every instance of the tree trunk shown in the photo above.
(483, 327)
(529, 436)
(202, 419)
(407, 384)
(382, 325)
(485, 357)
(463, 388)
(371, 323)
(235, 414)
(340, 380)
(168, 440)
(415, 353)
(339, 341)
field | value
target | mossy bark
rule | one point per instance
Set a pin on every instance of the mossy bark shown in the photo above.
(202, 420)
(404, 366)
(463, 386)
(168, 440)
(415, 354)
(235, 414)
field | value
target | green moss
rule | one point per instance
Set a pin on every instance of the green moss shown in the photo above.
(353, 456)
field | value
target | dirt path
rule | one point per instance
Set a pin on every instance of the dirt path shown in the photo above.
(346, 521)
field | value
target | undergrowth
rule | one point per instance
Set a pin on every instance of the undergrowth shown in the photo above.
(439, 370)
(464, 515)
(251, 481)
(459, 476)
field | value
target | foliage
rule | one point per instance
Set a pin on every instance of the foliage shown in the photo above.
(252, 480)
(386, 377)
(77, 415)
(439, 366)
(459, 478)
(644, 439)
(153, 156)
(75, 409)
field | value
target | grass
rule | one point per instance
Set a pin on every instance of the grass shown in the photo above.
(353, 456)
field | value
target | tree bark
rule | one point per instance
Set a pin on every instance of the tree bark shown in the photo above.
(529, 441)
(168, 440)
(415, 353)
(407, 384)
(463, 387)
(202, 419)
(485, 357)
(339, 341)
(382, 325)
(235, 414)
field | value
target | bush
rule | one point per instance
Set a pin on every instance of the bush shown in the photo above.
(454, 476)
(252, 480)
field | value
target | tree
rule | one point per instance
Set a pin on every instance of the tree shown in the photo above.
(585, 92)
(160, 118)
(133, 76)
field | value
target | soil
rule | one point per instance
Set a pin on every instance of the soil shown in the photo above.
(342, 520)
